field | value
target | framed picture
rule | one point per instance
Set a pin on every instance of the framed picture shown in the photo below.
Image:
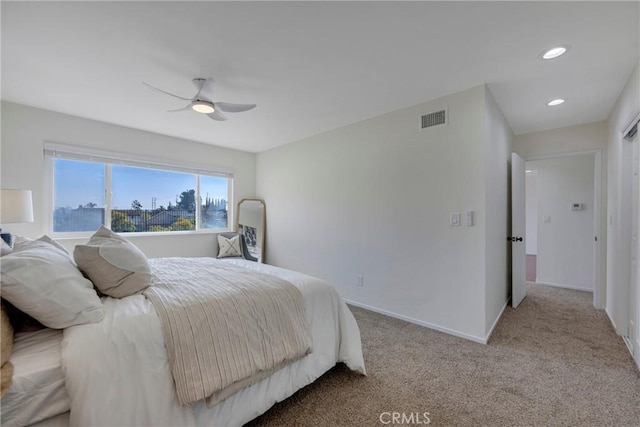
(250, 236)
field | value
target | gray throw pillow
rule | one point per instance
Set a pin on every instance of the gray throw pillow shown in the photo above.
(229, 246)
(115, 265)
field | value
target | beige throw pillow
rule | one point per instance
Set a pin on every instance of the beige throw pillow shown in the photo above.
(6, 377)
(6, 344)
(6, 336)
(229, 247)
(115, 265)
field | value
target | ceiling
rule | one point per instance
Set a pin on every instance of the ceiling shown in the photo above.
(313, 66)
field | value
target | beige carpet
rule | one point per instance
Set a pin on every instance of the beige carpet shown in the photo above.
(555, 361)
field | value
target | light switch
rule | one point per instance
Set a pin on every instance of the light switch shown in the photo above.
(454, 221)
(547, 219)
(468, 217)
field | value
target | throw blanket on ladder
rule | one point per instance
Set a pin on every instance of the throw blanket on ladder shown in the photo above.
(225, 327)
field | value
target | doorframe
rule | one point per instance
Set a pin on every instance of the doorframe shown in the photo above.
(599, 289)
(628, 330)
(633, 332)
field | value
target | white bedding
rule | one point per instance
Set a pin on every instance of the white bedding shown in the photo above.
(117, 372)
(37, 391)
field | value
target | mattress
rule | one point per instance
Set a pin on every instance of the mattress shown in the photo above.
(37, 391)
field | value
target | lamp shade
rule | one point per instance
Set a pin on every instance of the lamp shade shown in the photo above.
(15, 206)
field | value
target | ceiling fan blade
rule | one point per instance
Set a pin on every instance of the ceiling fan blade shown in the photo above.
(188, 107)
(165, 92)
(217, 115)
(233, 108)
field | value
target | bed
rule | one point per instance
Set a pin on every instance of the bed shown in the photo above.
(117, 371)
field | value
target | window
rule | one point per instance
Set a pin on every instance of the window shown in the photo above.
(129, 196)
(79, 195)
(152, 200)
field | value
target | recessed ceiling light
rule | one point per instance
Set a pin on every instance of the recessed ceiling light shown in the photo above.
(554, 52)
(555, 102)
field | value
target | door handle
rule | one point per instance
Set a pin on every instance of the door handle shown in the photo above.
(514, 239)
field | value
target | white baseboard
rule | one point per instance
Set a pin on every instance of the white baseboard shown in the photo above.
(495, 323)
(635, 354)
(419, 322)
(560, 285)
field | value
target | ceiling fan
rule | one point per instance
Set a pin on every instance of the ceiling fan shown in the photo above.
(202, 102)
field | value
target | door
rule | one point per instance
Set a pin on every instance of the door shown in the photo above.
(518, 225)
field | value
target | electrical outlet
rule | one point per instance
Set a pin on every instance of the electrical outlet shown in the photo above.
(360, 281)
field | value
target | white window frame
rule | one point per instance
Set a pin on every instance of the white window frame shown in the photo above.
(54, 150)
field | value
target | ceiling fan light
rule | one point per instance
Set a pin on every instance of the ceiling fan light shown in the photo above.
(203, 107)
(555, 102)
(555, 52)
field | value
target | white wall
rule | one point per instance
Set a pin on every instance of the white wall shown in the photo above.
(498, 148)
(24, 129)
(619, 209)
(565, 244)
(589, 136)
(531, 214)
(374, 199)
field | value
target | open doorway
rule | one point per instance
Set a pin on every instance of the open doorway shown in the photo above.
(562, 217)
(531, 233)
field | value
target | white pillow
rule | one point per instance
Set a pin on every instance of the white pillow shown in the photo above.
(229, 247)
(19, 241)
(42, 281)
(49, 240)
(5, 249)
(115, 265)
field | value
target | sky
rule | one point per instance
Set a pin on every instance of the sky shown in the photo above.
(79, 183)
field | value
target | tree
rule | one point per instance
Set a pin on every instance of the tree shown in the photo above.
(90, 205)
(187, 201)
(120, 223)
(181, 224)
(136, 205)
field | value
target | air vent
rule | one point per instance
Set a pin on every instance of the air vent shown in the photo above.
(434, 119)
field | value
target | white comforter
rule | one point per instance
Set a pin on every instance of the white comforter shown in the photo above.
(117, 372)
